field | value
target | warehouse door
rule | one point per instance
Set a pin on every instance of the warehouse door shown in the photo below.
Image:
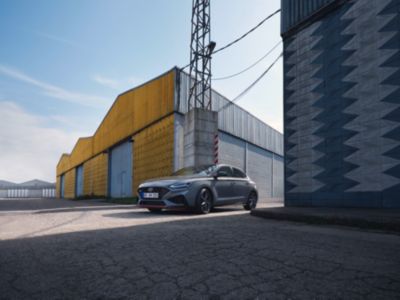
(120, 176)
(79, 181)
(259, 169)
(62, 184)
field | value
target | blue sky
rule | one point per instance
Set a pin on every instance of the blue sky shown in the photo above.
(62, 63)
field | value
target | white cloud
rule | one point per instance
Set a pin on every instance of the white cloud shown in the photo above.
(55, 91)
(116, 84)
(29, 149)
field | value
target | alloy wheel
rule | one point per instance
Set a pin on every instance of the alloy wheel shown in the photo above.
(205, 201)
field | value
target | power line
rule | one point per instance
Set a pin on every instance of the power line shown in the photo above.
(241, 37)
(252, 65)
(248, 32)
(252, 84)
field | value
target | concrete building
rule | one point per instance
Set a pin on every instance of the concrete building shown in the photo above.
(30, 189)
(144, 135)
(342, 102)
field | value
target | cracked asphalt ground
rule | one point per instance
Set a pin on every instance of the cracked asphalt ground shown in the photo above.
(57, 249)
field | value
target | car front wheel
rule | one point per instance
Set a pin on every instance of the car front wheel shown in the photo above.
(154, 210)
(204, 201)
(251, 201)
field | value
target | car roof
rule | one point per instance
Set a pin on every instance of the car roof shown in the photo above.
(226, 165)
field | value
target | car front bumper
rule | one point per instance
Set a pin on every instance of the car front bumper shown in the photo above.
(168, 200)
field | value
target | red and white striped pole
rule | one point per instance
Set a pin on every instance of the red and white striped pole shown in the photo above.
(216, 148)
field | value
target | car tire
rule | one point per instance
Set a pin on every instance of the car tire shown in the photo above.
(204, 201)
(154, 210)
(251, 201)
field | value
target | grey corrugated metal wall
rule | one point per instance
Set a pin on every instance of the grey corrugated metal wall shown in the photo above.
(234, 119)
(259, 164)
(232, 151)
(262, 166)
(296, 11)
(79, 181)
(120, 175)
(278, 179)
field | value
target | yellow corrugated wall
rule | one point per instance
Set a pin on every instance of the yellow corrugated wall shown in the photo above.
(63, 165)
(153, 152)
(58, 187)
(135, 110)
(69, 182)
(82, 151)
(95, 176)
(130, 112)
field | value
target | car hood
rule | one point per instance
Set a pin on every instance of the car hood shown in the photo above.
(166, 181)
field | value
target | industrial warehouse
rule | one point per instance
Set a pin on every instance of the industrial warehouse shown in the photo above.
(142, 137)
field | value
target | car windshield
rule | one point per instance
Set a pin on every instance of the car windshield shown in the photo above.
(202, 170)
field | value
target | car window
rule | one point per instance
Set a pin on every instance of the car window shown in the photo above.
(238, 173)
(227, 171)
(201, 170)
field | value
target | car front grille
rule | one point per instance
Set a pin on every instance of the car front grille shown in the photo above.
(152, 202)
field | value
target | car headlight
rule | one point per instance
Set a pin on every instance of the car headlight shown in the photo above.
(179, 186)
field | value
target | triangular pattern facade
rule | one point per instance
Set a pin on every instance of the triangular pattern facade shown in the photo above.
(343, 147)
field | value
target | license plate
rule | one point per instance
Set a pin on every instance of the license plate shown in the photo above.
(150, 195)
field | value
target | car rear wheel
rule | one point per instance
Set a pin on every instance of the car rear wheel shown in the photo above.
(251, 201)
(154, 210)
(204, 201)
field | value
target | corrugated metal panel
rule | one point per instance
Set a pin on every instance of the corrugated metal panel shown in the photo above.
(259, 166)
(58, 187)
(131, 111)
(231, 151)
(62, 186)
(235, 120)
(63, 164)
(277, 180)
(135, 110)
(179, 158)
(295, 11)
(82, 151)
(69, 184)
(154, 151)
(95, 176)
(120, 175)
(79, 181)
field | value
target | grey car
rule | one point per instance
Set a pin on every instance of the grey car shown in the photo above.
(199, 188)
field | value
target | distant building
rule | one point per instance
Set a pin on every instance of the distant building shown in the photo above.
(342, 102)
(142, 137)
(30, 189)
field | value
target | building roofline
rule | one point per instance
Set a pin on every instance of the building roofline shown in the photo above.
(233, 103)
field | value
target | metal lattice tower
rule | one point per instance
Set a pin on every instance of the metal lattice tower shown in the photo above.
(201, 49)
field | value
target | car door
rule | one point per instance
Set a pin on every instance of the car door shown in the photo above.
(241, 186)
(224, 185)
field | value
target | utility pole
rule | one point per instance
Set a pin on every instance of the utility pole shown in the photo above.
(201, 48)
(201, 123)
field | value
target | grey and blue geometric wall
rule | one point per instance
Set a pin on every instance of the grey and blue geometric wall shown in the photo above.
(342, 103)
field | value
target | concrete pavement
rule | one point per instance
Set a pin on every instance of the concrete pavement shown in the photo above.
(58, 249)
(374, 219)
